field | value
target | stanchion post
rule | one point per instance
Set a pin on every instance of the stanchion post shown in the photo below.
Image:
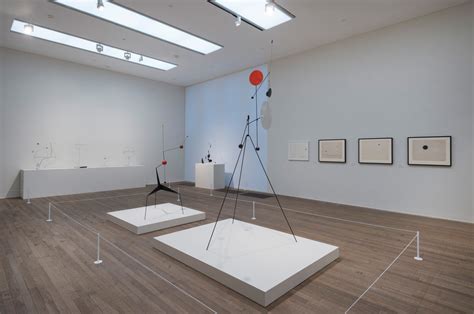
(210, 192)
(98, 261)
(253, 211)
(418, 257)
(179, 196)
(49, 213)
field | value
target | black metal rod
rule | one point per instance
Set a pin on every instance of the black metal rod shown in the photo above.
(240, 178)
(273, 190)
(228, 186)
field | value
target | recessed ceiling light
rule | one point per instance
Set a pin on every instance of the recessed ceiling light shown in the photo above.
(133, 20)
(262, 14)
(88, 45)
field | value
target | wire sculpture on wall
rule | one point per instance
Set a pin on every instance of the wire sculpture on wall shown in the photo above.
(42, 153)
(256, 79)
(129, 153)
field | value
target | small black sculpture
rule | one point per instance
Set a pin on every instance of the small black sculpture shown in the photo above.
(161, 187)
(207, 157)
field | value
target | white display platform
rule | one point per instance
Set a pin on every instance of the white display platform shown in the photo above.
(261, 263)
(160, 217)
(210, 176)
(53, 182)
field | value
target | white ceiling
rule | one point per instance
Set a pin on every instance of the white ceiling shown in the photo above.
(317, 22)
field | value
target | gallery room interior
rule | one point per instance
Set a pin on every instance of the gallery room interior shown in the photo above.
(236, 156)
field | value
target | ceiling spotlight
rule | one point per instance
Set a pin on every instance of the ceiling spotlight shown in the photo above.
(99, 48)
(238, 21)
(28, 29)
(270, 8)
(127, 55)
(141, 59)
(100, 5)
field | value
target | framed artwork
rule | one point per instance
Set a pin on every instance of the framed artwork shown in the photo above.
(298, 150)
(332, 150)
(430, 151)
(376, 151)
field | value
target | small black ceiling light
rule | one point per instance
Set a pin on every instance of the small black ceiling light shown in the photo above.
(99, 48)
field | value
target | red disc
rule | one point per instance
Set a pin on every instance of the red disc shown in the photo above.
(164, 162)
(256, 77)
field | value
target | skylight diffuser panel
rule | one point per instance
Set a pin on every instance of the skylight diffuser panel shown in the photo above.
(122, 16)
(255, 12)
(91, 46)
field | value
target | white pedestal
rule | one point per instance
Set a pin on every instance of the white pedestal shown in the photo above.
(160, 217)
(210, 176)
(53, 182)
(261, 263)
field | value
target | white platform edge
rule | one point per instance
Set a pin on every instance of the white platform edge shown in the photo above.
(158, 225)
(249, 291)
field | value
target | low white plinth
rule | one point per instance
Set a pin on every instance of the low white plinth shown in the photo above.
(261, 263)
(210, 176)
(160, 217)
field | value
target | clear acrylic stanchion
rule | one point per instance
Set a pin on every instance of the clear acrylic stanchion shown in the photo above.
(179, 196)
(253, 211)
(98, 261)
(418, 257)
(49, 213)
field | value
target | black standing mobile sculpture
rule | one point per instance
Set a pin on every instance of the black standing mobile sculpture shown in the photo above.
(164, 163)
(256, 79)
(161, 187)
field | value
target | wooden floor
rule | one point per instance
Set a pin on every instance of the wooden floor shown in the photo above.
(48, 267)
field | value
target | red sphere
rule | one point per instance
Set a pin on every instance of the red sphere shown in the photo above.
(256, 77)
(164, 162)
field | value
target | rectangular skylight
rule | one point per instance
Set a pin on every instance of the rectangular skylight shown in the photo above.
(262, 14)
(133, 20)
(88, 45)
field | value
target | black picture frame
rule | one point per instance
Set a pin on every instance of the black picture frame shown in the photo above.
(434, 164)
(375, 163)
(328, 140)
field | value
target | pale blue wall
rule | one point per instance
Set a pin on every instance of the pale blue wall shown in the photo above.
(215, 113)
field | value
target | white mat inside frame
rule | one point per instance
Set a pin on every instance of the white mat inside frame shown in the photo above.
(159, 217)
(260, 263)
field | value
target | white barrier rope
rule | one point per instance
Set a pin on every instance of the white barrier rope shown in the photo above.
(380, 276)
(133, 258)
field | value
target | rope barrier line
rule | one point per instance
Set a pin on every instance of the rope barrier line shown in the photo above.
(98, 198)
(312, 214)
(253, 202)
(133, 258)
(380, 276)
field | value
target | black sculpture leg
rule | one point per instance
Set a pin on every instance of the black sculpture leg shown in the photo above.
(240, 178)
(228, 186)
(273, 190)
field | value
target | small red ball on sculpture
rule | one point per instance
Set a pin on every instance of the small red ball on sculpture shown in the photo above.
(164, 162)
(256, 77)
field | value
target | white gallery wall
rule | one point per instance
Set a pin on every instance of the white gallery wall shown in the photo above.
(411, 79)
(102, 112)
(215, 114)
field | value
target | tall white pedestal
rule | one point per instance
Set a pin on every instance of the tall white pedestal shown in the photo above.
(210, 176)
